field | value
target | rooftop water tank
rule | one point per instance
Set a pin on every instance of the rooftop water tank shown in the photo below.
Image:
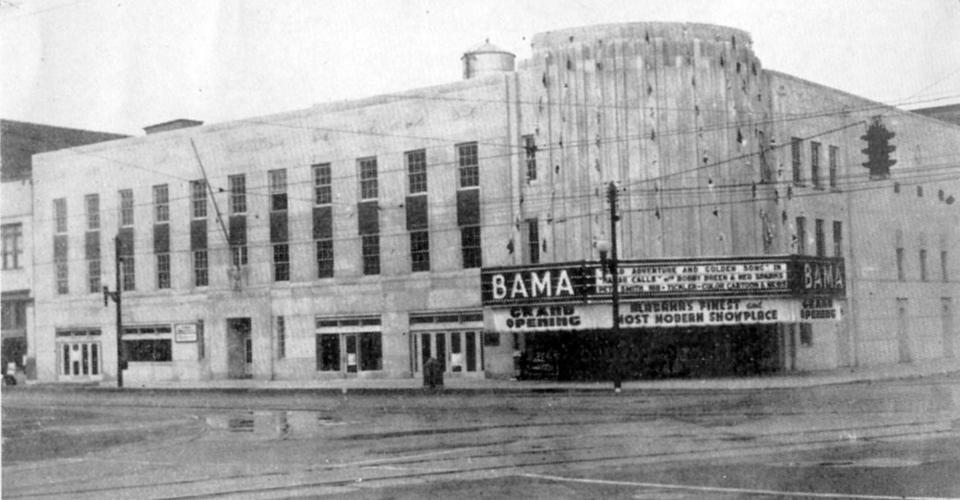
(486, 58)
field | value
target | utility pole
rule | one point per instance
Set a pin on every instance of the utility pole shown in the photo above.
(615, 293)
(115, 296)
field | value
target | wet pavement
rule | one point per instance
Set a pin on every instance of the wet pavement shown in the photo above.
(876, 440)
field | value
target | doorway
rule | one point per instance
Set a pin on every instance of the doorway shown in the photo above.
(79, 360)
(239, 348)
(457, 351)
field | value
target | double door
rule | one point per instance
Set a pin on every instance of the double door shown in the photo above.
(457, 351)
(79, 360)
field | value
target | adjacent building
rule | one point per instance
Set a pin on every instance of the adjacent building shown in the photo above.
(19, 141)
(362, 238)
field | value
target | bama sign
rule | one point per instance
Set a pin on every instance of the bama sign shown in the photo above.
(536, 284)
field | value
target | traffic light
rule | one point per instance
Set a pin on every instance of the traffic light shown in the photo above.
(878, 149)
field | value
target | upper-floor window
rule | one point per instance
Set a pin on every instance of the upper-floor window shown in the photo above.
(417, 171)
(834, 154)
(278, 189)
(238, 193)
(943, 266)
(126, 207)
(801, 235)
(820, 238)
(815, 164)
(530, 154)
(533, 240)
(198, 197)
(92, 202)
(837, 238)
(161, 203)
(60, 214)
(796, 160)
(901, 274)
(923, 264)
(322, 193)
(469, 164)
(368, 178)
(12, 245)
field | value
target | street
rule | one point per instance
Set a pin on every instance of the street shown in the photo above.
(891, 439)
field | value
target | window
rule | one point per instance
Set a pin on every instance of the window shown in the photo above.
(371, 351)
(371, 254)
(815, 165)
(238, 193)
(468, 164)
(281, 338)
(923, 264)
(281, 262)
(60, 214)
(161, 203)
(200, 270)
(837, 238)
(128, 269)
(328, 352)
(533, 240)
(943, 266)
(325, 258)
(198, 198)
(126, 207)
(60, 263)
(919, 191)
(12, 245)
(806, 334)
(834, 153)
(491, 339)
(530, 153)
(14, 314)
(896, 187)
(470, 246)
(148, 343)
(321, 184)
(795, 144)
(278, 189)
(420, 250)
(801, 235)
(820, 238)
(417, 171)
(92, 202)
(901, 275)
(368, 178)
(93, 276)
(238, 255)
(163, 271)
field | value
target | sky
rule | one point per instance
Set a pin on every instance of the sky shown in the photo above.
(120, 65)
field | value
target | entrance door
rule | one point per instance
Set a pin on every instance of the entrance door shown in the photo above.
(79, 360)
(239, 348)
(457, 351)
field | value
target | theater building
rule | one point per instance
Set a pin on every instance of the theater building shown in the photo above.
(359, 239)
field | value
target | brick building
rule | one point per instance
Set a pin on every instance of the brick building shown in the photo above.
(347, 239)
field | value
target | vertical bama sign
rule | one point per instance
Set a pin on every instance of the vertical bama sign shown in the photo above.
(540, 284)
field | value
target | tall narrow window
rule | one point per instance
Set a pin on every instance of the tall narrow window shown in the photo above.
(126, 207)
(163, 271)
(369, 188)
(901, 274)
(530, 155)
(161, 203)
(923, 264)
(533, 240)
(801, 235)
(198, 198)
(278, 189)
(281, 262)
(92, 255)
(238, 193)
(60, 214)
(281, 338)
(128, 268)
(321, 184)
(417, 171)
(12, 245)
(468, 164)
(420, 250)
(834, 154)
(92, 201)
(371, 254)
(796, 160)
(815, 165)
(200, 268)
(470, 246)
(820, 238)
(837, 238)
(93, 276)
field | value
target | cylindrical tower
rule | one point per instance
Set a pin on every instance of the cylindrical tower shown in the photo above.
(486, 58)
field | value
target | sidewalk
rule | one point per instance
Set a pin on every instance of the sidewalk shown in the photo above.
(798, 380)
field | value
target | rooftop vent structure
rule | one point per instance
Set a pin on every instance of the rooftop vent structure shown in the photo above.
(486, 58)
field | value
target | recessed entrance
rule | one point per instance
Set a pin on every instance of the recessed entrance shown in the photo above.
(239, 348)
(457, 351)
